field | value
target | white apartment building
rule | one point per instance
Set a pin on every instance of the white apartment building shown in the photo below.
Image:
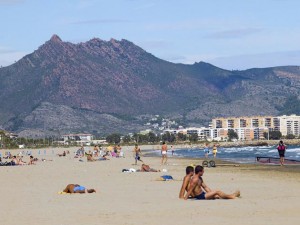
(247, 128)
(290, 125)
(79, 138)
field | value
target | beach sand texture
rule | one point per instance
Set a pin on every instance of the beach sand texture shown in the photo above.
(29, 194)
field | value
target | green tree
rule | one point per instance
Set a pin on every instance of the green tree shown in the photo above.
(126, 139)
(152, 137)
(232, 135)
(290, 136)
(113, 138)
(273, 135)
(181, 137)
(169, 137)
(193, 137)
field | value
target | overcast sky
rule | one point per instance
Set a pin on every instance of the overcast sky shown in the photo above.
(231, 34)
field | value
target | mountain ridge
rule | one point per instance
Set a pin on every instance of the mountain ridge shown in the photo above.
(120, 78)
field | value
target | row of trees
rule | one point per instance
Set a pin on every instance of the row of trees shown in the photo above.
(7, 142)
(151, 138)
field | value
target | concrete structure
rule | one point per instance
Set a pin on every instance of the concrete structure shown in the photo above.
(84, 139)
(247, 128)
(290, 125)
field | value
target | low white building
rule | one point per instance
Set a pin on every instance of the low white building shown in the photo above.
(84, 139)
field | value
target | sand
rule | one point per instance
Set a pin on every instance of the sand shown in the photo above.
(29, 194)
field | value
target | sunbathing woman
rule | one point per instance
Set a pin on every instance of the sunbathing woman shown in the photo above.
(76, 188)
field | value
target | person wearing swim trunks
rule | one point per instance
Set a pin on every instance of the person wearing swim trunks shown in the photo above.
(164, 149)
(137, 152)
(199, 190)
(206, 150)
(281, 151)
(76, 188)
(189, 171)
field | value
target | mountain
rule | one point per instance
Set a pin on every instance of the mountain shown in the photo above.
(105, 86)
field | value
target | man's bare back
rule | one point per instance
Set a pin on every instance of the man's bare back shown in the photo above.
(186, 181)
(199, 190)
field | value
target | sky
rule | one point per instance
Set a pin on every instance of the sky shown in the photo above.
(230, 34)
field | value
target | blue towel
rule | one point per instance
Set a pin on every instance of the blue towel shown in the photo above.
(167, 177)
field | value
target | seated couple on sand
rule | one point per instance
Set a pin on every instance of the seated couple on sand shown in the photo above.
(194, 187)
(76, 188)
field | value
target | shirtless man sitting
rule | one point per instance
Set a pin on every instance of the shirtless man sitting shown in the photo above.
(76, 188)
(196, 186)
(186, 180)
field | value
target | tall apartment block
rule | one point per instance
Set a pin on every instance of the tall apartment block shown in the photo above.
(253, 127)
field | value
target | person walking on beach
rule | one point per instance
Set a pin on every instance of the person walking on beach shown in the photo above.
(172, 150)
(189, 171)
(164, 157)
(206, 150)
(215, 150)
(137, 152)
(281, 151)
(197, 188)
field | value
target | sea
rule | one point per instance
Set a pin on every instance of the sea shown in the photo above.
(237, 154)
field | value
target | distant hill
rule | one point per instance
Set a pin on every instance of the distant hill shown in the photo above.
(104, 86)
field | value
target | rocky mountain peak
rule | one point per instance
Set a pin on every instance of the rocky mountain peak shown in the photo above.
(55, 38)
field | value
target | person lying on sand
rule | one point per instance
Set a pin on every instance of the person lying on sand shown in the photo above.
(186, 180)
(76, 188)
(63, 154)
(197, 188)
(146, 168)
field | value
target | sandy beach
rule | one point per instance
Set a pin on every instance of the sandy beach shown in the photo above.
(29, 194)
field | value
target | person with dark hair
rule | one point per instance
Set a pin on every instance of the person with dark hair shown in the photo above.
(76, 188)
(164, 157)
(31, 160)
(137, 152)
(189, 171)
(281, 151)
(197, 188)
(147, 168)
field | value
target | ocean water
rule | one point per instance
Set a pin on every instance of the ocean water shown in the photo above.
(238, 154)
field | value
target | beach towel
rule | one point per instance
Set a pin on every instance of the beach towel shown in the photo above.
(131, 170)
(166, 178)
